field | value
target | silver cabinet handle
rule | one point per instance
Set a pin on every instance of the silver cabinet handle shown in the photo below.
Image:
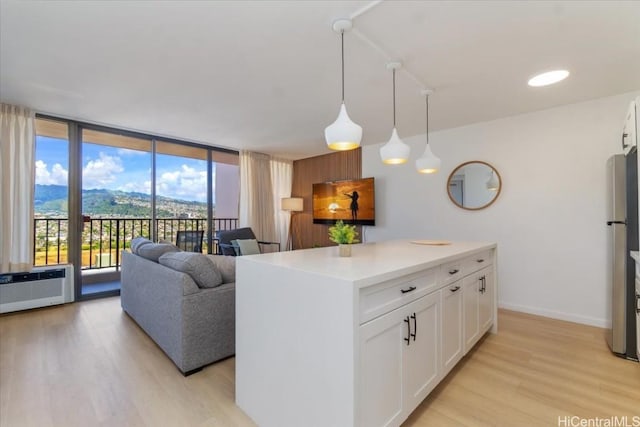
(452, 272)
(454, 289)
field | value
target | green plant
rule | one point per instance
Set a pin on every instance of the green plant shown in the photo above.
(342, 233)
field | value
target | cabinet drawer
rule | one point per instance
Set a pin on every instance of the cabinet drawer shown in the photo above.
(382, 298)
(452, 271)
(477, 261)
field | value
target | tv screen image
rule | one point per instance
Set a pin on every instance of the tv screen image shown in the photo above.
(352, 201)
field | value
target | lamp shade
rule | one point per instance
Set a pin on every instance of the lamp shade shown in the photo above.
(293, 204)
(493, 183)
(428, 163)
(343, 134)
(394, 152)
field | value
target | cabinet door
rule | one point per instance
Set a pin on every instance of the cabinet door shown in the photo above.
(486, 299)
(382, 342)
(471, 296)
(422, 355)
(451, 326)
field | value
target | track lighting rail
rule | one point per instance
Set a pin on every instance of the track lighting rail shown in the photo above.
(387, 57)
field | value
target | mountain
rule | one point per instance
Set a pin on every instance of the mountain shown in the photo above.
(51, 200)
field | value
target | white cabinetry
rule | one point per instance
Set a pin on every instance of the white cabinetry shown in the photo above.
(367, 337)
(451, 326)
(485, 309)
(471, 297)
(400, 361)
(478, 296)
(409, 348)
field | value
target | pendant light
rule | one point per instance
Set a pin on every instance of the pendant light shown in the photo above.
(492, 183)
(394, 152)
(428, 163)
(343, 134)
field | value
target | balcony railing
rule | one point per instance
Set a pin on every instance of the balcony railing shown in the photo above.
(104, 238)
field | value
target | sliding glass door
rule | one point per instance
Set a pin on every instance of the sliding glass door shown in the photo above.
(115, 203)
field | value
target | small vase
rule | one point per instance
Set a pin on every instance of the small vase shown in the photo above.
(344, 250)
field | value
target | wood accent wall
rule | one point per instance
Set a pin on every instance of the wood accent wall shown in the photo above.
(306, 172)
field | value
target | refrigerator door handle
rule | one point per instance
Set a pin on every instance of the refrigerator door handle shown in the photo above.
(616, 222)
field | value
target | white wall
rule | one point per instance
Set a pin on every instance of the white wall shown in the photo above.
(549, 220)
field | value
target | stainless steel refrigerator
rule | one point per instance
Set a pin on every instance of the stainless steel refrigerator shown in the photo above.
(622, 172)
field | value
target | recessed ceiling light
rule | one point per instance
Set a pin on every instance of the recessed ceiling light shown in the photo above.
(548, 78)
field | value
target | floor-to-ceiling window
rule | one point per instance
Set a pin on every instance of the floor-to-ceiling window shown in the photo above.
(181, 191)
(51, 209)
(97, 188)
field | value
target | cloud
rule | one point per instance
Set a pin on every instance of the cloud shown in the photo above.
(57, 176)
(186, 184)
(137, 187)
(98, 173)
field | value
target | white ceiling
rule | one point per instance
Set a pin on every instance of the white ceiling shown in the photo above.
(265, 75)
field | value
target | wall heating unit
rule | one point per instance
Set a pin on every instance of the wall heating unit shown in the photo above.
(39, 287)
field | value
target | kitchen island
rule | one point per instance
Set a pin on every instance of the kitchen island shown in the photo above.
(359, 341)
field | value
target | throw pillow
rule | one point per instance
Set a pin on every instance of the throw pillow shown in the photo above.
(248, 246)
(236, 248)
(201, 269)
(138, 242)
(153, 251)
(226, 265)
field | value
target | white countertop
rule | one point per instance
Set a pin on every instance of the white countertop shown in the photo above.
(369, 262)
(635, 255)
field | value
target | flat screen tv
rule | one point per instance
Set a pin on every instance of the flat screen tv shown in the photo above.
(352, 201)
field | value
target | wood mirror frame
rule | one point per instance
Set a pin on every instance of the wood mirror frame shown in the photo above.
(487, 197)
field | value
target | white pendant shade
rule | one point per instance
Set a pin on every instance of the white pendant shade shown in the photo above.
(394, 152)
(493, 183)
(428, 163)
(343, 134)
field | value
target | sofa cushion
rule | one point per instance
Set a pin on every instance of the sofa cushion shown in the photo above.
(153, 251)
(167, 242)
(201, 269)
(137, 243)
(226, 265)
(248, 246)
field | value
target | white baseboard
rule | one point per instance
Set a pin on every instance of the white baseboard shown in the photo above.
(576, 318)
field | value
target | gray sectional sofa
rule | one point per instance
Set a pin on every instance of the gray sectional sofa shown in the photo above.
(192, 321)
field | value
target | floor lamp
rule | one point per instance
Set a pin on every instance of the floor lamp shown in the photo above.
(293, 205)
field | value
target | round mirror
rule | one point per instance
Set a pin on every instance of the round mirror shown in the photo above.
(474, 185)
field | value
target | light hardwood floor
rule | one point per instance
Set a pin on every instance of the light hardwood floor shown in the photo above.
(88, 364)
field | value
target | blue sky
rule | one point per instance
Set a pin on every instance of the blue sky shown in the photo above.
(122, 169)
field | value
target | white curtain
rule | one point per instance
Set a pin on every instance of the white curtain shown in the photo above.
(17, 182)
(256, 195)
(281, 181)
